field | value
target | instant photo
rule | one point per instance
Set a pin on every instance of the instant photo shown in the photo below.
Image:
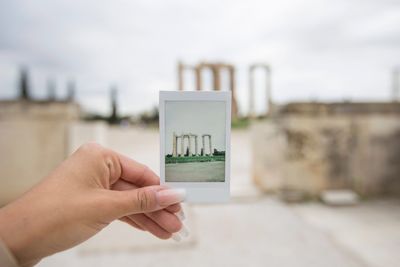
(195, 129)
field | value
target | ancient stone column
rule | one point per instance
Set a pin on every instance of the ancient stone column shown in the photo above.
(184, 136)
(269, 101)
(174, 148)
(210, 145)
(195, 146)
(216, 78)
(232, 87)
(252, 112)
(182, 150)
(176, 145)
(199, 84)
(194, 136)
(189, 144)
(202, 139)
(180, 76)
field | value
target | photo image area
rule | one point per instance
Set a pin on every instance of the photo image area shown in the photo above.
(195, 139)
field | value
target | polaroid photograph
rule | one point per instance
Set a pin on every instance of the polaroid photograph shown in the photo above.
(195, 143)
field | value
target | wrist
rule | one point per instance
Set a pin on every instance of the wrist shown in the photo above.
(14, 232)
(6, 257)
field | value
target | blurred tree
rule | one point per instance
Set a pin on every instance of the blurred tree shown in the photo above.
(218, 153)
(71, 88)
(24, 83)
(150, 117)
(114, 119)
(51, 89)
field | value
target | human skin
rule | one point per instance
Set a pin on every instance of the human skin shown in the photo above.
(85, 193)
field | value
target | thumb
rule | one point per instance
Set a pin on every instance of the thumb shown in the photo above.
(146, 199)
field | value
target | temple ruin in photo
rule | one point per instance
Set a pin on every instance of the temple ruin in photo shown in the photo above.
(190, 137)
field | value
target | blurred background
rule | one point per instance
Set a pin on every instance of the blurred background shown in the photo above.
(315, 131)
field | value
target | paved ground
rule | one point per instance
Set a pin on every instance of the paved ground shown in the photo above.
(251, 230)
(370, 231)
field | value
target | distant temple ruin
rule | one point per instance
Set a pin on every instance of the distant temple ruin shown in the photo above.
(216, 71)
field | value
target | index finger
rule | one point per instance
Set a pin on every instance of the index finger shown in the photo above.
(137, 173)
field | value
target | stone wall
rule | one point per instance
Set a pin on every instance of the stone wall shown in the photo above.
(310, 152)
(33, 140)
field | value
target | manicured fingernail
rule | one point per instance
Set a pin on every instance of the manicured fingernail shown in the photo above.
(184, 231)
(176, 237)
(181, 215)
(170, 196)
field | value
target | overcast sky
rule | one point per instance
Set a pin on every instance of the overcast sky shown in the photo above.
(195, 117)
(318, 49)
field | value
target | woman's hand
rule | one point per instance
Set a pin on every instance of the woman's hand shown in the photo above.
(89, 190)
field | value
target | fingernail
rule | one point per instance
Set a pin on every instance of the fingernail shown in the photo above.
(184, 231)
(176, 237)
(181, 215)
(170, 196)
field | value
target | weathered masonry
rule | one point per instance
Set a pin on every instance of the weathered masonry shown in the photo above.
(190, 137)
(312, 147)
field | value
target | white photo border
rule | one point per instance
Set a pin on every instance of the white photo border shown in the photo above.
(198, 192)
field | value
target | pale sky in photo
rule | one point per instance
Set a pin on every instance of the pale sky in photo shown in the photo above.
(318, 49)
(196, 117)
